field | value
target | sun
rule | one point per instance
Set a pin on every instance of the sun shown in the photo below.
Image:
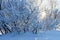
(42, 15)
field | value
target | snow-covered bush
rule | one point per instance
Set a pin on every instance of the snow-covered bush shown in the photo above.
(28, 15)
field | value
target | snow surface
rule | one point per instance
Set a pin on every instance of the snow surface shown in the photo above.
(47, 35)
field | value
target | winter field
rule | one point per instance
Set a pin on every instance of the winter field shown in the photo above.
(29, 19)
(48, 35)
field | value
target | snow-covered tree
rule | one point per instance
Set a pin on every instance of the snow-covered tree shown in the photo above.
(28, 15)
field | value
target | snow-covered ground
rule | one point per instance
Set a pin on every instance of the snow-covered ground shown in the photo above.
(47, 35)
